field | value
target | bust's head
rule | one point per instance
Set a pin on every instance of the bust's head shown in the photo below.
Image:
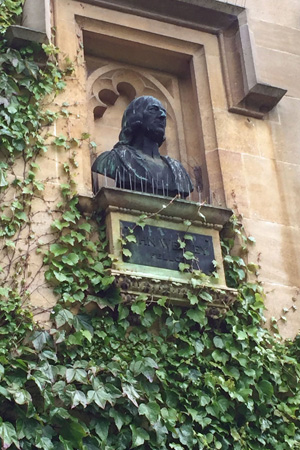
(144, 115)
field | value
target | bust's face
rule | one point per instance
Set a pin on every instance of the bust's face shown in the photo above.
(154, 121)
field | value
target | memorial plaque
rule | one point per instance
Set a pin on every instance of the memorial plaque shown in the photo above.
(160, 247)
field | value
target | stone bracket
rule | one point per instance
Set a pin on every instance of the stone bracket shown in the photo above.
(19, 36)
(246, 94)
(35, 25)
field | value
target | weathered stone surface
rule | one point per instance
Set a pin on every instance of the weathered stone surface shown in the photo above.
(277, 249)
(286, 312)
(256, 160)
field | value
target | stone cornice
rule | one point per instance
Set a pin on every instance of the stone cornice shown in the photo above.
(245, 92)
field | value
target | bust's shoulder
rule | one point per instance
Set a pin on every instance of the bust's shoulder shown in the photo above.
(107, 162)
(182, 178)
(124, 151)
(174, 163)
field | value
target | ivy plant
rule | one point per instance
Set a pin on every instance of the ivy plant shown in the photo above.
(108, 374)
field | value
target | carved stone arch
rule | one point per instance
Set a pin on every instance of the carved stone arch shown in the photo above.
(111, 88)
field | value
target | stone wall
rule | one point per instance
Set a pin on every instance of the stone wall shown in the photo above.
(268, 182)
(250, 158)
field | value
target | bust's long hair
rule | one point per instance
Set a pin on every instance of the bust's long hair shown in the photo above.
(132, 120)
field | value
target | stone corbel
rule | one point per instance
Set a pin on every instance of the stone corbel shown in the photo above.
(246, 94)
(35, 25)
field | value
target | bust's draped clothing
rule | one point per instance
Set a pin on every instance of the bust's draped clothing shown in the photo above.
(131, 170)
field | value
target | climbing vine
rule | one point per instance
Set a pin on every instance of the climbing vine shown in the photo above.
(108, 374)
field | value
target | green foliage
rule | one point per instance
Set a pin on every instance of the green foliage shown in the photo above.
(23, 85)
(24, 121)
(152, 377)
(77, 263)
(110, 375)
(10, 9)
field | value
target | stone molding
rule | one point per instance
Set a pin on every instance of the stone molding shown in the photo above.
(246, 94)
(131, 287)
(178, 210)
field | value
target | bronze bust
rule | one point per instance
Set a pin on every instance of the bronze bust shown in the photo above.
(135, 162)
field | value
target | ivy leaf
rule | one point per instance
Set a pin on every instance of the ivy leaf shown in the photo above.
(68, 239)
(139, 436)
(126, 252)
(61, 276)
(218, 342)
(58, 224)
(98, 267)
(192, 298)
(235, 434)
(82, 322)
(71, 259)
(220, 356)
(8, 435)
(4, 292)
(161, 431)
(101, 428)
(62, 317)
(185, 434)
(78, 398)
(85, 226)
(21, 397)
(87, 335)
(40, 338)
(188, 255)
(40, 186)
(130, 392)
(10, 244)
(32, 68)
(204, 400)
(131, 238)
(44, 443)
(3, 181)
(79, 375)
(206, 296)
(182, 267)
(139, 307)
(151, 410)
(162, 301)
(67, 445)
(123, 312)
(99, 396)
(73, 432)
(58, 249)
(118, 418)
(266, 388)
(197, 316)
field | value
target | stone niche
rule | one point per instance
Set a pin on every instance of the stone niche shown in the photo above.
(120, 70)
(152, 264)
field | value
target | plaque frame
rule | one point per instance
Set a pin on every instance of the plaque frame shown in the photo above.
(133, 280)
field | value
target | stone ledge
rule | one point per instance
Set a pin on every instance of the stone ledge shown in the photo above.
(135, 201)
